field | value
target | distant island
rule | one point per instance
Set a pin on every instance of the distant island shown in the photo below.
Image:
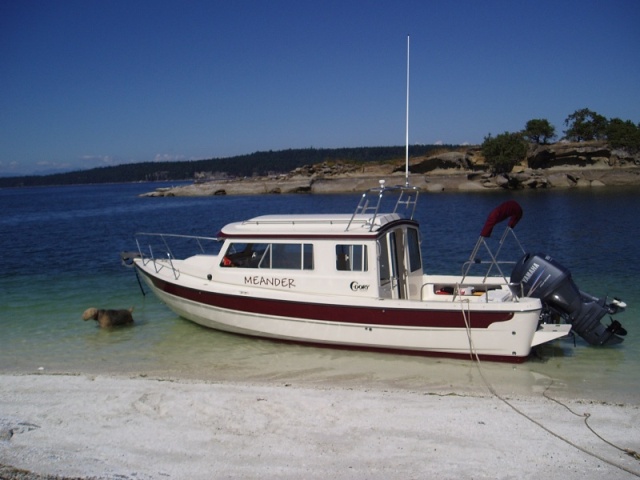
(256, 164)
(595, 151)
(560, 165)
(432, 168)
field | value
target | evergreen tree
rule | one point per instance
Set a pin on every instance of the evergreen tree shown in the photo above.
(504, 152)
(624, 134)
(539, 130)
(584, 125)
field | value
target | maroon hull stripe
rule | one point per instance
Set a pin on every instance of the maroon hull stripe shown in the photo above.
(333, 313)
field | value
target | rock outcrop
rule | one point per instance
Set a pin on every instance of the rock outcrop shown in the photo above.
(560, 165)
(584, 155)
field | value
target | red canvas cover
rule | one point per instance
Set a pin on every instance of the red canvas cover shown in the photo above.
(510, 208)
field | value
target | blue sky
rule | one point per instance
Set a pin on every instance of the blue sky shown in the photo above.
(92, 83)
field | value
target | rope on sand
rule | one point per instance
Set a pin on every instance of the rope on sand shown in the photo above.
(586, 416)
(475, 357)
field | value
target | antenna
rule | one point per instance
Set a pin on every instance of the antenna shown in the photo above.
(406, 140)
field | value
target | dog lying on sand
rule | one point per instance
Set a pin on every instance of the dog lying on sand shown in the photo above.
(109, 318)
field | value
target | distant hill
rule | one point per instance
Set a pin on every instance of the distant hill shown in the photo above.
(258, 163)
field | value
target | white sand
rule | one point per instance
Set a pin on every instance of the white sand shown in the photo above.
(137, 428)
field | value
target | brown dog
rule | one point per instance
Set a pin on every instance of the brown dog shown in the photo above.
(109, 318)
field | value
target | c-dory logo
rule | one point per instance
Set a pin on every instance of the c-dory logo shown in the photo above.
(357, 287)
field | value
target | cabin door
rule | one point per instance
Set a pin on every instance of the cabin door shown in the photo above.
(393, 270)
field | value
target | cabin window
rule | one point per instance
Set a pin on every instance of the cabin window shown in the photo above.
(292, 256)
(352, 258)
(307, 256)
(383, 258)
(415, 261)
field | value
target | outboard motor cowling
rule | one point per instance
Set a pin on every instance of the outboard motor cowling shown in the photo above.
(540, 276)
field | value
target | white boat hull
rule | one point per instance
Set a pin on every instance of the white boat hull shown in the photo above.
(509, 338)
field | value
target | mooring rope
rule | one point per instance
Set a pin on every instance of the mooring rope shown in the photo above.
(586, 416)
(476, 358)
(139, 282)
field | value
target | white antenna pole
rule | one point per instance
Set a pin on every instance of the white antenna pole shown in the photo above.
(406, 141)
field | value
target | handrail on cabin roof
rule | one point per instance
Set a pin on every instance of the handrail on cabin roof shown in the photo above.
(372, 201)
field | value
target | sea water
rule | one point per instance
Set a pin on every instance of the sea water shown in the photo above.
(60, 251)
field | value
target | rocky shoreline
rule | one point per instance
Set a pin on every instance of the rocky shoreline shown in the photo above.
(546, 166)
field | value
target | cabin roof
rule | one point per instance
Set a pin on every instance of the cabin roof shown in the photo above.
(309, 225)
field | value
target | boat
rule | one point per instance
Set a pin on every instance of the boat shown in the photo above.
(356, 280)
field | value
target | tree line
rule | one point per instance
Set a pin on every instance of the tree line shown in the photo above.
(258, 163)
(506, 150)
(501, 152)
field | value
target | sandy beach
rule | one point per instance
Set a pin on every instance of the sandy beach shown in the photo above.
(115, 427)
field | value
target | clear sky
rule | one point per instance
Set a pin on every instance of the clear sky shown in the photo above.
(91, 83)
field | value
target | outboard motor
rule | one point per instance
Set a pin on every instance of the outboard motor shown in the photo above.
(540, 276)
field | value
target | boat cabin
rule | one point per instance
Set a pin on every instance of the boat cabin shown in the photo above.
(324, 254)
